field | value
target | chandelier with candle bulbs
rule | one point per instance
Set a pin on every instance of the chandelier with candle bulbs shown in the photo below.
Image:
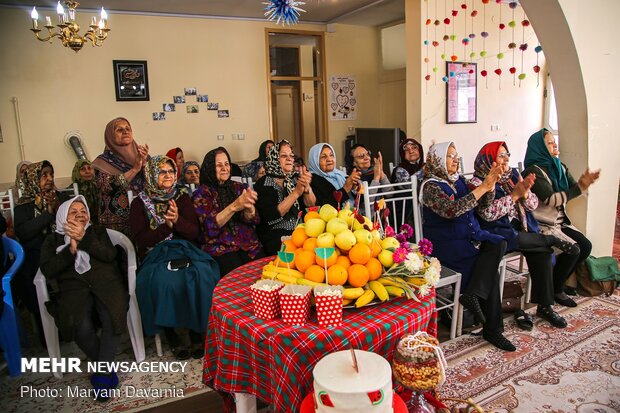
(68, 29)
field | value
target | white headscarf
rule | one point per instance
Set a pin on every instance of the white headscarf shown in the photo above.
(335, 177)
(435, 166)
(82, 259)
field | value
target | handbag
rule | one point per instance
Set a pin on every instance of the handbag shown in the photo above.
(511, 299)
(588, 287)
(603, 268)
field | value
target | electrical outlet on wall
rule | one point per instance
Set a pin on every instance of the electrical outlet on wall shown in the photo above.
(220, 137)
(241, 136)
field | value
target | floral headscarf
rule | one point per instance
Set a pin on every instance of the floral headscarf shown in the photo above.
(82, 258)
(226, 191)
(335, 177)
(30, 186)
(186, 166)
(17, 169)
(86, 188)
(538, 154)
(484, 162)
(274, 170)
(155, 199)
(435, 166)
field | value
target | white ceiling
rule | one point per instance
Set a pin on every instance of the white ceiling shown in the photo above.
(357, 12)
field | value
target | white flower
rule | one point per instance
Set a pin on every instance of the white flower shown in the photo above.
(432, 276)
(414, 262)
(423, 290)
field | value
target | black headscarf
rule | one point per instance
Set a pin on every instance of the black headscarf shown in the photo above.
(262, 151)
(411, 167)
(226, 191)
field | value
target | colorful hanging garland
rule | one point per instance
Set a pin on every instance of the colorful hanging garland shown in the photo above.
(523, 47)
(426, 44)
(500, 55)
(472, 35)
(286, 11)
(484, 34)
(512, 45)
(537, 49)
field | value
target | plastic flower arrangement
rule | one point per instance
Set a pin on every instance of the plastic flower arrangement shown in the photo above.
(413, 269)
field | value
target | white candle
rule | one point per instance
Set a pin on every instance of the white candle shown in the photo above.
(93, 21)
(48, 21)
(35, 18)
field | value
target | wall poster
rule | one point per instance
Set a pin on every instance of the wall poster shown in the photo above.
(343, 104)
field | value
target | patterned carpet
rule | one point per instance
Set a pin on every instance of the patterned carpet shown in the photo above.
(132, 386)
(576, 369)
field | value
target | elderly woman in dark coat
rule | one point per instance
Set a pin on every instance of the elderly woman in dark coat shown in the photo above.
(227, 214)
(282, 194)
(83, 260)
(256, 168)
(459, 242)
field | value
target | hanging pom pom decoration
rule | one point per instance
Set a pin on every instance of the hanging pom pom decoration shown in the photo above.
(512, 46)
(286, 11)
(426, 44)
(537, 49)
(472, 35)
(483, 52)
(445, 29)
(500, 55)
(523, 47)
(435, 45)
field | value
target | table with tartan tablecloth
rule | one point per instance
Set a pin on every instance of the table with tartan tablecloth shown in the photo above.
(273, 360)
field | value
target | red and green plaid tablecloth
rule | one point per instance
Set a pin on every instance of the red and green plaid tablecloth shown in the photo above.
(273, 360)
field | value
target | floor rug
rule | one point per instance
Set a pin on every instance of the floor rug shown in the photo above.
(42, 392)
(576, 369)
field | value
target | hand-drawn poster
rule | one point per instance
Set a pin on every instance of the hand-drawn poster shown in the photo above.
(343, 104)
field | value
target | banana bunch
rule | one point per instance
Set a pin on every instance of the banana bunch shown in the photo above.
(379, 290)
(397, 286)
(286, 275)
(365, 298)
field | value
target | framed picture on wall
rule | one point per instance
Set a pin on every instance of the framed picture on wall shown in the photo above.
(131, 80)
(461, 92)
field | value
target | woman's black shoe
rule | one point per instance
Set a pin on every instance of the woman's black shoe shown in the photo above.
(565, 301)
(181, 354)
(198, 353)
(498, 340)
(470, 302)
(524, 320)
(570, 290)
(551, 316)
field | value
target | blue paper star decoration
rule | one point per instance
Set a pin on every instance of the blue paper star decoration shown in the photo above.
(286, 11)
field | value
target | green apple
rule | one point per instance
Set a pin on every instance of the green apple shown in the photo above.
(376, 235)
(336, 226)
(347, 216)
(385, 257)
(345, 240)
(325, 240)
(363, 236)
(314, 227)
(357, 225)
(390, 242)
(328, 212)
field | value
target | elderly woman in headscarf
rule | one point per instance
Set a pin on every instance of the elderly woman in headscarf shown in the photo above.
(256, 168)
(176, 154)
(122, 159)
(83, 175)
(165, 229)
(282, 194)
(362, 167)
(411, 161)
(327, 178)
(34, 218)
(508, 214)
(190, 174)
(459, 242)
(82, 258)
(555, 186)
(227, 214)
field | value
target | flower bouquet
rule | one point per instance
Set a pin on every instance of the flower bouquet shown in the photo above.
(413, 270)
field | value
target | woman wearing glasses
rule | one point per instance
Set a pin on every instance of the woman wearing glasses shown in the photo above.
(363, 167)
(555, 186)
(412, 161)
(459, 242)
(175, 279)
(227, 214)
(282, 194)
(508, 214)
(327, 178)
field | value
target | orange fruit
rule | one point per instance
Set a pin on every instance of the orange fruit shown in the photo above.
(311, 214)
(315, 273)
(358, 275)
(304, 259)
(309, 244)
(289, 246)
(331, 260)
(337, 275)
(375, 269)
(375, 248)
(359, 254)
(279, 263)
(344, 261)
(299, 236)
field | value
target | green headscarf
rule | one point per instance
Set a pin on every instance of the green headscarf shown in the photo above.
(87, 188)
(538, 154)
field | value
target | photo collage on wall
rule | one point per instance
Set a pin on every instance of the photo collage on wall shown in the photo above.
(189, 96)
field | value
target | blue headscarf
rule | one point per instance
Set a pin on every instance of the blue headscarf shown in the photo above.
(538, 154)
(335, 177)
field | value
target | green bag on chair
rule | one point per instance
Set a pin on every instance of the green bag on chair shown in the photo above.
(603, 268)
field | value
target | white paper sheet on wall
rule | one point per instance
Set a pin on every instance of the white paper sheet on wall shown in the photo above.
(342, 91)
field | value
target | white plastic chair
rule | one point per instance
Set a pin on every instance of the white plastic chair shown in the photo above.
(7, 203)
(134, 321)
(391, 166)
(403, 195)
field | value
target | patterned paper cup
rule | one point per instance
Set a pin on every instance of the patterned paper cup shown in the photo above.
(329, 305)
(295, 304)
(266, 299)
